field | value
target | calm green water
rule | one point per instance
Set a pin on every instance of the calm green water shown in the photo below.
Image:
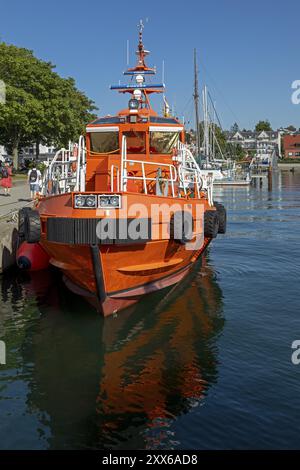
(205, 365)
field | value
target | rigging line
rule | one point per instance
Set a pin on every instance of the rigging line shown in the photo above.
(13, 211)
(229, 144)
(220, 92)
(190, 114)
(215, 137)
(216, 113)
(186, 105)
(216, 141)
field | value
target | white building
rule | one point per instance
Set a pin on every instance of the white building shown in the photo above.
(30, 152)
(260, 142)
(2, 153)
(44, 152)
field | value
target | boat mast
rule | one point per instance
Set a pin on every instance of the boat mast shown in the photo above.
(140, 90)
(213, 128)
(196, 101)
(205, 124)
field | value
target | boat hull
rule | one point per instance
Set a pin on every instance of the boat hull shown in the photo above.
(118, 301)
(119, 288)
(114, 275)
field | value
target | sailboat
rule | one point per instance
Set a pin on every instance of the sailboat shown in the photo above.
(224, 171)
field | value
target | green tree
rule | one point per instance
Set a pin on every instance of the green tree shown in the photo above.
(239, 152)
(234, 127)
(263, 126)
(41, 106)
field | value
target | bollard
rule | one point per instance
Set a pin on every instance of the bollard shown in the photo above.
(270, 178)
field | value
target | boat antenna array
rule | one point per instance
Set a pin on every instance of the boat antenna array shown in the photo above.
(138, 88)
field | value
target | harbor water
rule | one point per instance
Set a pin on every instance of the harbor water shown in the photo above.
(205, 365)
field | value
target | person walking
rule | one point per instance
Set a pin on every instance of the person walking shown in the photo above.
(6, 181)
(34, 179)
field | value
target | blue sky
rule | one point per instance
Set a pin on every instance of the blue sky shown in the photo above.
(248, 51)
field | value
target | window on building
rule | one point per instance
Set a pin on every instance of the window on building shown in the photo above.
(104, 142)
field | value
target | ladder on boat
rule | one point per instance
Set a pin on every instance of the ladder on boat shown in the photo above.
(66, 171)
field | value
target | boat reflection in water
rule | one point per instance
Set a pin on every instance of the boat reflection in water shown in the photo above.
(120, 383)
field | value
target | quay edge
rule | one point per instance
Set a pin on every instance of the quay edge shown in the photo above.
(8, 244)
(289, 166)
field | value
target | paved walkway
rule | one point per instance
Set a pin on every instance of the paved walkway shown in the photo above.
(20, 196)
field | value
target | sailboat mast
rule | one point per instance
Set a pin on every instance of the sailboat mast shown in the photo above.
(196, 101)
(206, 123)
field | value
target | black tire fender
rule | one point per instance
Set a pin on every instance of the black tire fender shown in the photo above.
(21, 221)
(32, 226)
(181, 227)
(222, 217)
(211, 224)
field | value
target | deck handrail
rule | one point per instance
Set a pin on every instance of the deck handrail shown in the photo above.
(60, 171)
(125, 177)
(186, 173)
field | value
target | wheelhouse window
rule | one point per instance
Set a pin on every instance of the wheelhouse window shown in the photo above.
(136, 142)
(104, 142)
(163, 142)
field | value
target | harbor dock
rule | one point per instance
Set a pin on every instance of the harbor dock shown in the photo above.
(9, 207)
(289, 166)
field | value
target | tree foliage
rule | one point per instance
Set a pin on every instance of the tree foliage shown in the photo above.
(263, 126)
(235, 127)
(41, 106)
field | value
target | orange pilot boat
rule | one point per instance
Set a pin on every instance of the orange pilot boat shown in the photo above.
(127, 211)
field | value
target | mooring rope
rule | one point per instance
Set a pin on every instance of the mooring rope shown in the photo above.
(13, 213)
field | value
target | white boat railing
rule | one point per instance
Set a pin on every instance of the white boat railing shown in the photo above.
(81, 165)
(66, 171)
(186, 175)
(159, 179)
(190, 173)
(263, 160)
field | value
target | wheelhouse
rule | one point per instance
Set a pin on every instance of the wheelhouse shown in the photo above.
(149, 138)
